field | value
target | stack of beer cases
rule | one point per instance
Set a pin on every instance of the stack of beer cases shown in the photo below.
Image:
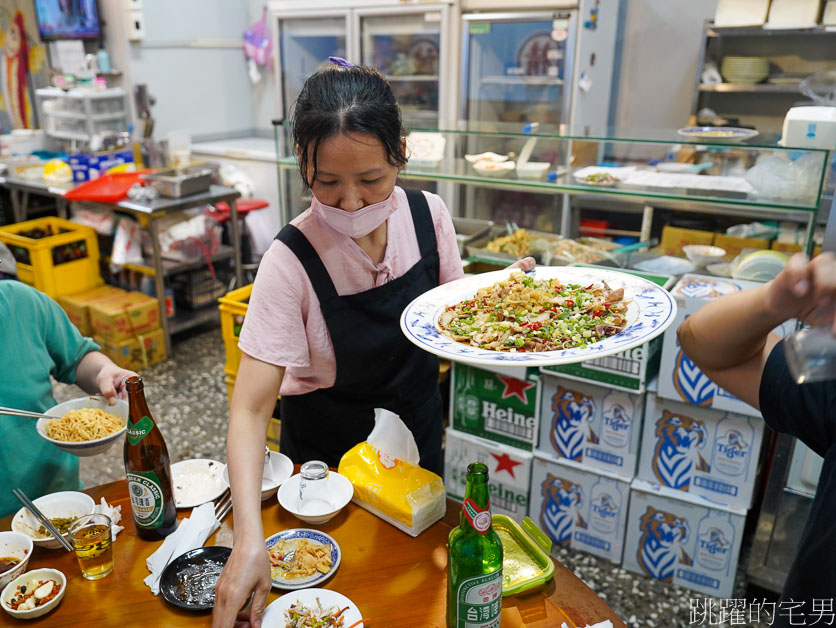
(590, 429)
(493, 419)
(697, 465)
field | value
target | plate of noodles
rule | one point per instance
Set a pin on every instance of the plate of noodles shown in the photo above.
(86, 426)
(551, 315)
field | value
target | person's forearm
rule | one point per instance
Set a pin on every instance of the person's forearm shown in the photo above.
(252, 406)
(88, 369)
(728, 331)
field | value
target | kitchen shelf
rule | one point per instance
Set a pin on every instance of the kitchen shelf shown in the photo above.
(747, 88)
(187, 319)
(536, 81)
(758, 31)
(172, 267)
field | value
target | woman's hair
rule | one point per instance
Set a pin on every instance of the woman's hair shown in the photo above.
(354, 99)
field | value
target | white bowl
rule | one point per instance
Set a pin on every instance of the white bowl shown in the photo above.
(340, 492)
(486, 157)
(494, 168)
(16, 545)
(702, 254)
(532, 169)
(282, 469)
(30, 576)
(61, 504)
(90, 447)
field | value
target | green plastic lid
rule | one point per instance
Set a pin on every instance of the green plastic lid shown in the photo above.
(526, 563)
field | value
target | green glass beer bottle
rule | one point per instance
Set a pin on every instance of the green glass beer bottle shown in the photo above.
(474, 559)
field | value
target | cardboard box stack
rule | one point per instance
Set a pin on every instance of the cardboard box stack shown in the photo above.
(125, 324)
(697, 465)
(493, 414)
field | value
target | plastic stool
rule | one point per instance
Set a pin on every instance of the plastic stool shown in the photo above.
(222, 212)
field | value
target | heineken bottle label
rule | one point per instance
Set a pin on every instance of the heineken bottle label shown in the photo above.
(139, 430)
(479, 601)
(479, 518)
(146, 499)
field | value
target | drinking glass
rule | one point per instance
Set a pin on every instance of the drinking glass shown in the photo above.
(93, 543)
(811, 355)
(313, 489)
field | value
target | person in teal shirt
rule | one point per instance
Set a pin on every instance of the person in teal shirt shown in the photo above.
(39, 341)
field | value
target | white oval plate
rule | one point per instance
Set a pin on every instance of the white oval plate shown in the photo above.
(311, 535)
(274, 614)
(650, 311)
(197, 481)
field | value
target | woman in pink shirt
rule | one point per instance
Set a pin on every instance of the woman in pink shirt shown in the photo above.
(322, 326)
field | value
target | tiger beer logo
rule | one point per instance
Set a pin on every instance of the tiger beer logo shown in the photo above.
(661, 544)
(677, 455)
(691, 383)
(560, 512)
(573, 413)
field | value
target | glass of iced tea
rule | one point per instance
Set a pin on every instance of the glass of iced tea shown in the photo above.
(93, 544)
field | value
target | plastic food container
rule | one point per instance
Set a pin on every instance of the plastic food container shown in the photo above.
(526, 564)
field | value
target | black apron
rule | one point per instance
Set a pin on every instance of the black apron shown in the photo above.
(377, 367)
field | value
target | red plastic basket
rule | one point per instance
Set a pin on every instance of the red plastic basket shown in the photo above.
(108, 188)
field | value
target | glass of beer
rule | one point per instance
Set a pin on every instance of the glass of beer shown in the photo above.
(93, 543)
(811, 355)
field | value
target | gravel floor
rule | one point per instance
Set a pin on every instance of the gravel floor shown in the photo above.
(188, 398)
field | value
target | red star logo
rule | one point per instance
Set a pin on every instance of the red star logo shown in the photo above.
(504, 462)
(516, 387)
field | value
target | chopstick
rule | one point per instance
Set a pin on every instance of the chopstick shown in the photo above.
(27, 503)
(25, 413)
(223, 505)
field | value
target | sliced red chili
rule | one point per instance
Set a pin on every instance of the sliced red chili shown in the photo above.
(589, 287)
(569, 303)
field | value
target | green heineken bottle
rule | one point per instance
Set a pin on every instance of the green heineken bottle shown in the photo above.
(474, 559)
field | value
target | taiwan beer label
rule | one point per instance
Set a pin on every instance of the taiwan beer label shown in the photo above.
(478, 518)
(479, 601)
(146, 498)
(139, 430)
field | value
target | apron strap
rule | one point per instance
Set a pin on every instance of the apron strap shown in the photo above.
(423, 221)
(304, 250)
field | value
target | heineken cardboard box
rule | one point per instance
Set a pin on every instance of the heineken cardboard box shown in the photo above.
(579, 508)
(679, 378)
(594, 425)
(700, 451)
(629, 370)
(509, 471)
(682, 539)
(499, 407)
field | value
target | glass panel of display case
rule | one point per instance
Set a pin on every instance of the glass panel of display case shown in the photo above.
(405, 48)
(305, 44)
(516, 68)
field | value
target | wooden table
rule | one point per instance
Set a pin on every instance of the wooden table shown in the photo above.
(394, 579)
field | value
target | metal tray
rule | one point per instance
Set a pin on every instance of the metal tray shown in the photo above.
(469, 230)
(176, 183)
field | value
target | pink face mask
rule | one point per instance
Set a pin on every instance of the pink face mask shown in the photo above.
(358, 223)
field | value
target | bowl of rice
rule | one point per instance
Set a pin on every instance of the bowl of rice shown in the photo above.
(86, 426)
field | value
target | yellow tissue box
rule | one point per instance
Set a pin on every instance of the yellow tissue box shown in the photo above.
(408, 497)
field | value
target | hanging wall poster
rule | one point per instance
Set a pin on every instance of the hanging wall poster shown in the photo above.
(23, 66)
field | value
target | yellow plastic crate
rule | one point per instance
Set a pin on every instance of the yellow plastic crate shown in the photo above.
(63, 260)
(233, 306)
(274, 430)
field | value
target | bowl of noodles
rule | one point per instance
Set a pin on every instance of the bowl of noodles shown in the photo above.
(86, 426)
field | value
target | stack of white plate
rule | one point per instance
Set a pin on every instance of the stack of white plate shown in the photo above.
(744, 69)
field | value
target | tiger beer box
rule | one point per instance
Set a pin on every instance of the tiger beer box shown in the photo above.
(629, 370)
(578, 508)
(509, 471)
(597, 426)
(679, 378)
(498, 407)
(700, 451)
(682, 539)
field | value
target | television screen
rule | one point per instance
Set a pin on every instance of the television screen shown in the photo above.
(67, 19)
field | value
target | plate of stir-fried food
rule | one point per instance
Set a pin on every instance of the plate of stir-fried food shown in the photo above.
(551, 315)
(301, 558)
(313, 608)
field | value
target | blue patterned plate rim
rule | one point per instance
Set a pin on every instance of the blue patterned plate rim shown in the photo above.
(650, 312)
(311, 535)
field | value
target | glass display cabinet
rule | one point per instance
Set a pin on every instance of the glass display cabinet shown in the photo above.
(754, 179)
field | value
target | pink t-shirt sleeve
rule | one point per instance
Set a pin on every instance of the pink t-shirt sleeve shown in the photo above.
(274, 329)
(450, 262)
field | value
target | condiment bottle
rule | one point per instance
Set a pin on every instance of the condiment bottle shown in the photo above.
(148, 469)
(474, 559)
